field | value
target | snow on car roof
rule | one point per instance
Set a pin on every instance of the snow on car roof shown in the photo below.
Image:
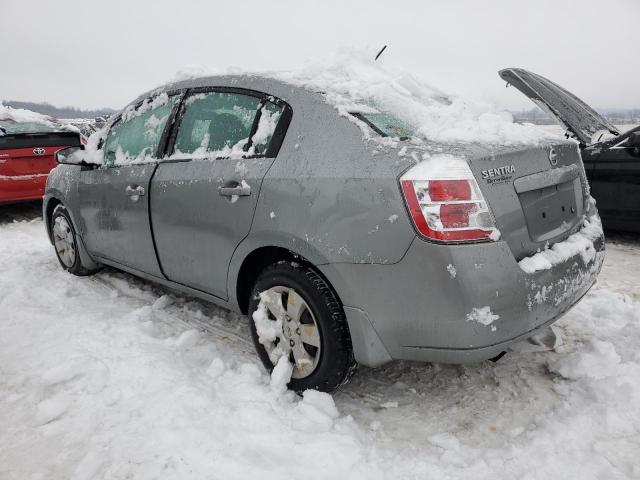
(353, 82)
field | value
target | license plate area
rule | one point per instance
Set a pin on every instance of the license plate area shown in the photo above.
(551, 202)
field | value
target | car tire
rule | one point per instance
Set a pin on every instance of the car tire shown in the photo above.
(332, 360)
(65, 242)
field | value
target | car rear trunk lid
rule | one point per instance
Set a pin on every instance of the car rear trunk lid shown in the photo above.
(537, 195)
(581, 121)
(32, 153)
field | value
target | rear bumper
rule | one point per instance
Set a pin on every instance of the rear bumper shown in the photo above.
(22, 188)
(417, 309)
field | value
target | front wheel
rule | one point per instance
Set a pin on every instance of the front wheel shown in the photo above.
(295, 313)
(65, 242)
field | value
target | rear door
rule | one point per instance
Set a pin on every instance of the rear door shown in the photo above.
(203, 198)
(114, 198)
(578, 118)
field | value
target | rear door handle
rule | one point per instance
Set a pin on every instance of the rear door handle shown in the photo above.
(136, 190)
(241, 190)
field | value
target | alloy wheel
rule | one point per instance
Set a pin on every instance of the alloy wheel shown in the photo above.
(299, 337)
(64, 242)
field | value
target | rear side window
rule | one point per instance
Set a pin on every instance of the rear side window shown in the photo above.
(136, 136)
(221, 124)
(270, 114)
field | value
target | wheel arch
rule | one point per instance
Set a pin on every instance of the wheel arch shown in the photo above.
(49, 205)
(254, 263)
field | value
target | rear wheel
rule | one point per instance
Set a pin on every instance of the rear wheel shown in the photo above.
(65, 242)
(295, 313)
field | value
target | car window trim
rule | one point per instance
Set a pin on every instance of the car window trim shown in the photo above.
(276, 139)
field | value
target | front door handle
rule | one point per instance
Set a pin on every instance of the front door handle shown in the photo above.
(241, 190)
(134, 191)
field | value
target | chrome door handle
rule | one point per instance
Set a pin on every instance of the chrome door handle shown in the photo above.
(239, 190)
(134, 191)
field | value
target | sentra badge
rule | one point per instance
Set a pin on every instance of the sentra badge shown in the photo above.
(496, 174)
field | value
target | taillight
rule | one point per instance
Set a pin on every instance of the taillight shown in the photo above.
(445, 201)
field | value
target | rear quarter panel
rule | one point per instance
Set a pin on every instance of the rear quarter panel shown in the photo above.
(331, 195)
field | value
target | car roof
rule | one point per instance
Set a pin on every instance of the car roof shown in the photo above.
(261, 83)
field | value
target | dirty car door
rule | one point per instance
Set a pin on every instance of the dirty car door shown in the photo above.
(204, 196)
(113, 198)
(578, 118)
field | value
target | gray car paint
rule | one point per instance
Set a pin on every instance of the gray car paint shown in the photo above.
(332, 197)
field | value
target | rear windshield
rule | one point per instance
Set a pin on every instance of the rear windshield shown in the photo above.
(386, 124)
(8, 127)
(40, 139)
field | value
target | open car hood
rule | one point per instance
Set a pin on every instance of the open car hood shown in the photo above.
(578, 118)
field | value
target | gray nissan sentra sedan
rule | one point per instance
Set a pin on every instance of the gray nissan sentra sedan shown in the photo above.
(337, 232)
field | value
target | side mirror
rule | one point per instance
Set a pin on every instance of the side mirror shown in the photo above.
(71, 156)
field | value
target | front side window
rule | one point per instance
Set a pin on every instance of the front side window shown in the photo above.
(221, 124)
(136, 136)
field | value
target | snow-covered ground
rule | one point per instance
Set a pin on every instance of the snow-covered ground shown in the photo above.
(110, 377)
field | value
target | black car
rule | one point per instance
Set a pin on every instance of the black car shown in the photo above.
(611, 158)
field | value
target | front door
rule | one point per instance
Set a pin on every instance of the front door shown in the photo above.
(204, 196)
(114, 198)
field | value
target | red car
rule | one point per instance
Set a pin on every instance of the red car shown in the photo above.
(28, 142)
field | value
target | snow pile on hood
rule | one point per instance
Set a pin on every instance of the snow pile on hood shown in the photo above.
(580, 243)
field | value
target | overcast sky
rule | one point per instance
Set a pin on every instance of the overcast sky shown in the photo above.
(103, 54)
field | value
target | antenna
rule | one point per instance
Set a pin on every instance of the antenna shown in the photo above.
(380, 52)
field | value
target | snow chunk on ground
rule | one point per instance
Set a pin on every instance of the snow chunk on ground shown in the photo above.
(281, 375)
(162, 302)
(138, 408)
(597, 360)
(52, 409)
(580, 243)
(187, 339)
